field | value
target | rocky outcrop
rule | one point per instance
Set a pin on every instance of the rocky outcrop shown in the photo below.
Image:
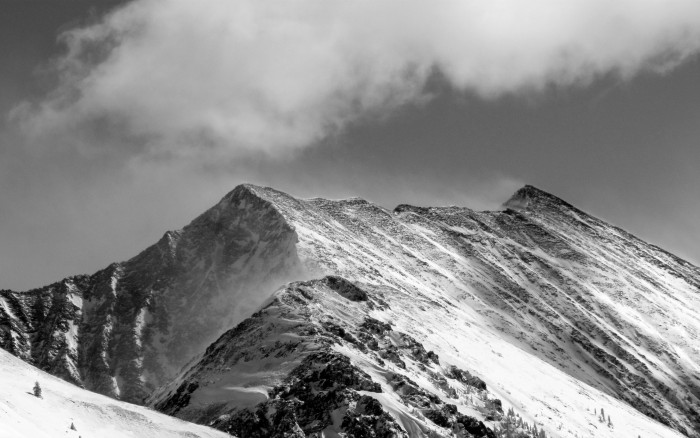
(314, 395)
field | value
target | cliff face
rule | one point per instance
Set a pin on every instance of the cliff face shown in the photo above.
(556, 312)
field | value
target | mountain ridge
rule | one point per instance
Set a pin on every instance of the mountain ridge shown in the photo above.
(556, 288)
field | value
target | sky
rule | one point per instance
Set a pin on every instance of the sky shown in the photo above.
(124, 119)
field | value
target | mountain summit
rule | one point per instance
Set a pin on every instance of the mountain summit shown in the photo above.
(270, 315)
(530, 195)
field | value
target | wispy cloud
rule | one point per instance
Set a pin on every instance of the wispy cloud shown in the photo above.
(229, 77)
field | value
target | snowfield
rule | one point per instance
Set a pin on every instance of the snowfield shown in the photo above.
(22, 415)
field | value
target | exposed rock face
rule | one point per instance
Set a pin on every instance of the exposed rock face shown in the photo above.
(540, 305)
(130, 327)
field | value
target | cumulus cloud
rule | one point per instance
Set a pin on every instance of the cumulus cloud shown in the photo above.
(234, 76)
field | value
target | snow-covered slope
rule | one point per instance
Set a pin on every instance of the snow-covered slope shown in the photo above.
(22, 415)
(259, 362)
(557, 313)
(588, 298)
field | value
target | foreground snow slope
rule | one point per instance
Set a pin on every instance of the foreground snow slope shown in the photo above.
(94, 416)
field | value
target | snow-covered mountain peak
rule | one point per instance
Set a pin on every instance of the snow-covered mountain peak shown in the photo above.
(65, 410)
(530, 197)
(242, 197)
(245, 190)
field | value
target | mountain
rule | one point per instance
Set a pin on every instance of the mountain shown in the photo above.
(129, 328)
(393, 323)
(66, 410)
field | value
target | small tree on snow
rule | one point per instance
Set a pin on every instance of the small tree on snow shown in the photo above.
(37, 389)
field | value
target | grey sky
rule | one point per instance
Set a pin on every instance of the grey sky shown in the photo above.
(624, 147)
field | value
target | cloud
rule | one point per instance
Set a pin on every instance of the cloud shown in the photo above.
(227, 77)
